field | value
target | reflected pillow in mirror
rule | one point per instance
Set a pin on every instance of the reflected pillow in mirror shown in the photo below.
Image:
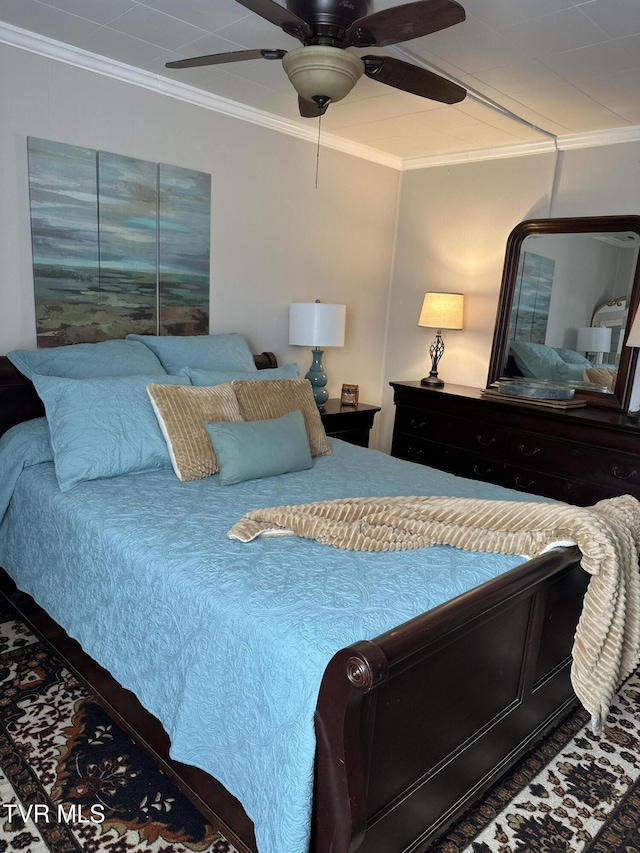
(536, 361)
(570, 356)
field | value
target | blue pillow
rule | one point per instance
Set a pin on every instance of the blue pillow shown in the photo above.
(536, 361)
(88, 361)
(103, 427)
(248, 450)
(219, 377)
(207, 352)
(570, 356)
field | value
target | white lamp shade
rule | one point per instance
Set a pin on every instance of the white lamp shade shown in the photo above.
(594, 339)
(442, 311)
(317, 324)
(633, 339)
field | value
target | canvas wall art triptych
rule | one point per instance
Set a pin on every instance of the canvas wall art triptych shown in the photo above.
(120, 245)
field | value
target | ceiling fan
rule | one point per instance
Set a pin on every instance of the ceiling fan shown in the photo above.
(323, 71)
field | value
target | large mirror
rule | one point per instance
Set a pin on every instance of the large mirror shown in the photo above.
(569, 288)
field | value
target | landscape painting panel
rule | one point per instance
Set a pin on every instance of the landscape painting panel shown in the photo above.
(127, 215)
(532, 297)
(64, 236)
(183, 250)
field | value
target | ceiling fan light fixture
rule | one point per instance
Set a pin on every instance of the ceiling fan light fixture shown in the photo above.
(321, 71)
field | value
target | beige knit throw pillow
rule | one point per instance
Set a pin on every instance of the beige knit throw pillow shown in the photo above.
(182, 417)
(272, 398)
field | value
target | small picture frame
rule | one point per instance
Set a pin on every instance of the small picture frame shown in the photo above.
(349, 396)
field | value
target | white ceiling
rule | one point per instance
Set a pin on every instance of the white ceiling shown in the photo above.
(535, 70)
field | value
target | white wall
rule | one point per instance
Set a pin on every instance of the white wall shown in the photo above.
(275, 239)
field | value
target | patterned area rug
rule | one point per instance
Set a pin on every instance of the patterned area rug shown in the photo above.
(72, 780)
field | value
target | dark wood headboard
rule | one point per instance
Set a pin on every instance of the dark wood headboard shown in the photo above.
(20, 402)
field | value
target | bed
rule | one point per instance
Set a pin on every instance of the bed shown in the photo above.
(558, 364)
(410, 682)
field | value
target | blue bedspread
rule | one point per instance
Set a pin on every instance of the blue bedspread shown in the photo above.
(210, 632)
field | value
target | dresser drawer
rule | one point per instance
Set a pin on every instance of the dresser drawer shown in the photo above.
(488, 438)
(547, 485)
(463, 463)
(543, 454)
(620, 471)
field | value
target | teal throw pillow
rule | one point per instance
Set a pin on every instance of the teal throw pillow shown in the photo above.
(249, 450)
(103, 427)
(219, 377)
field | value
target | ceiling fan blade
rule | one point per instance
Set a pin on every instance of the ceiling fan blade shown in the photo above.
(402, 23)
(411, 78)
(291, 23)
(308, 109)
(220, 58)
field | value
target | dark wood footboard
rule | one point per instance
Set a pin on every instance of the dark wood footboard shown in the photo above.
(414, 726)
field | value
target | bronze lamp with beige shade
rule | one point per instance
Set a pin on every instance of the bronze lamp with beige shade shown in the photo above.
(440, 311)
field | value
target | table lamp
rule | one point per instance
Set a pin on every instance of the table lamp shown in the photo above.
(594, 339)
(439, 311)
(317, 324)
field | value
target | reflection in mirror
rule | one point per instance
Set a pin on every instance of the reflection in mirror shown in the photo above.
(567, 289)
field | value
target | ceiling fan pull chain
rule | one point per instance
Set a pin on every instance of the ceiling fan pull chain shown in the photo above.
(318, 150)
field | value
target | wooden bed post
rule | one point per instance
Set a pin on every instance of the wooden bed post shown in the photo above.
(340, 814)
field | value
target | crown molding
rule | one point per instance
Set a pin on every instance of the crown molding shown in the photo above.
(474, 155)
(568, 142)
(52, 49)
(596, 138)
(71, 55)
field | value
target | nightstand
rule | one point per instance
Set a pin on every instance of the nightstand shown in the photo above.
(350, 423)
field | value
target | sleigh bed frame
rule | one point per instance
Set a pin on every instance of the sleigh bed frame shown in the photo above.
(413, 726)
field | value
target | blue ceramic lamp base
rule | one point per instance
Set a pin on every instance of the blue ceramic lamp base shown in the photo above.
(318, 378)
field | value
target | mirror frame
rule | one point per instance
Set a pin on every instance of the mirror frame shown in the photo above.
(619, 400)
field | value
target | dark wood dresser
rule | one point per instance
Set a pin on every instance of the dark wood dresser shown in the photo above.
(577, 455)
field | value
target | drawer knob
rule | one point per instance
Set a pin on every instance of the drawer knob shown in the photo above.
(485, 442)
(415, 454)
(617, 473)
(525, 452)
(417, 424)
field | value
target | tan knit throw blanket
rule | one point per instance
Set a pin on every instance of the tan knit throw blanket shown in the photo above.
(607, 642)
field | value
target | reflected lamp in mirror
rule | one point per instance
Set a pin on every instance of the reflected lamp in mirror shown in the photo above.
(318, 325)
(594, 340)
(440, 311)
